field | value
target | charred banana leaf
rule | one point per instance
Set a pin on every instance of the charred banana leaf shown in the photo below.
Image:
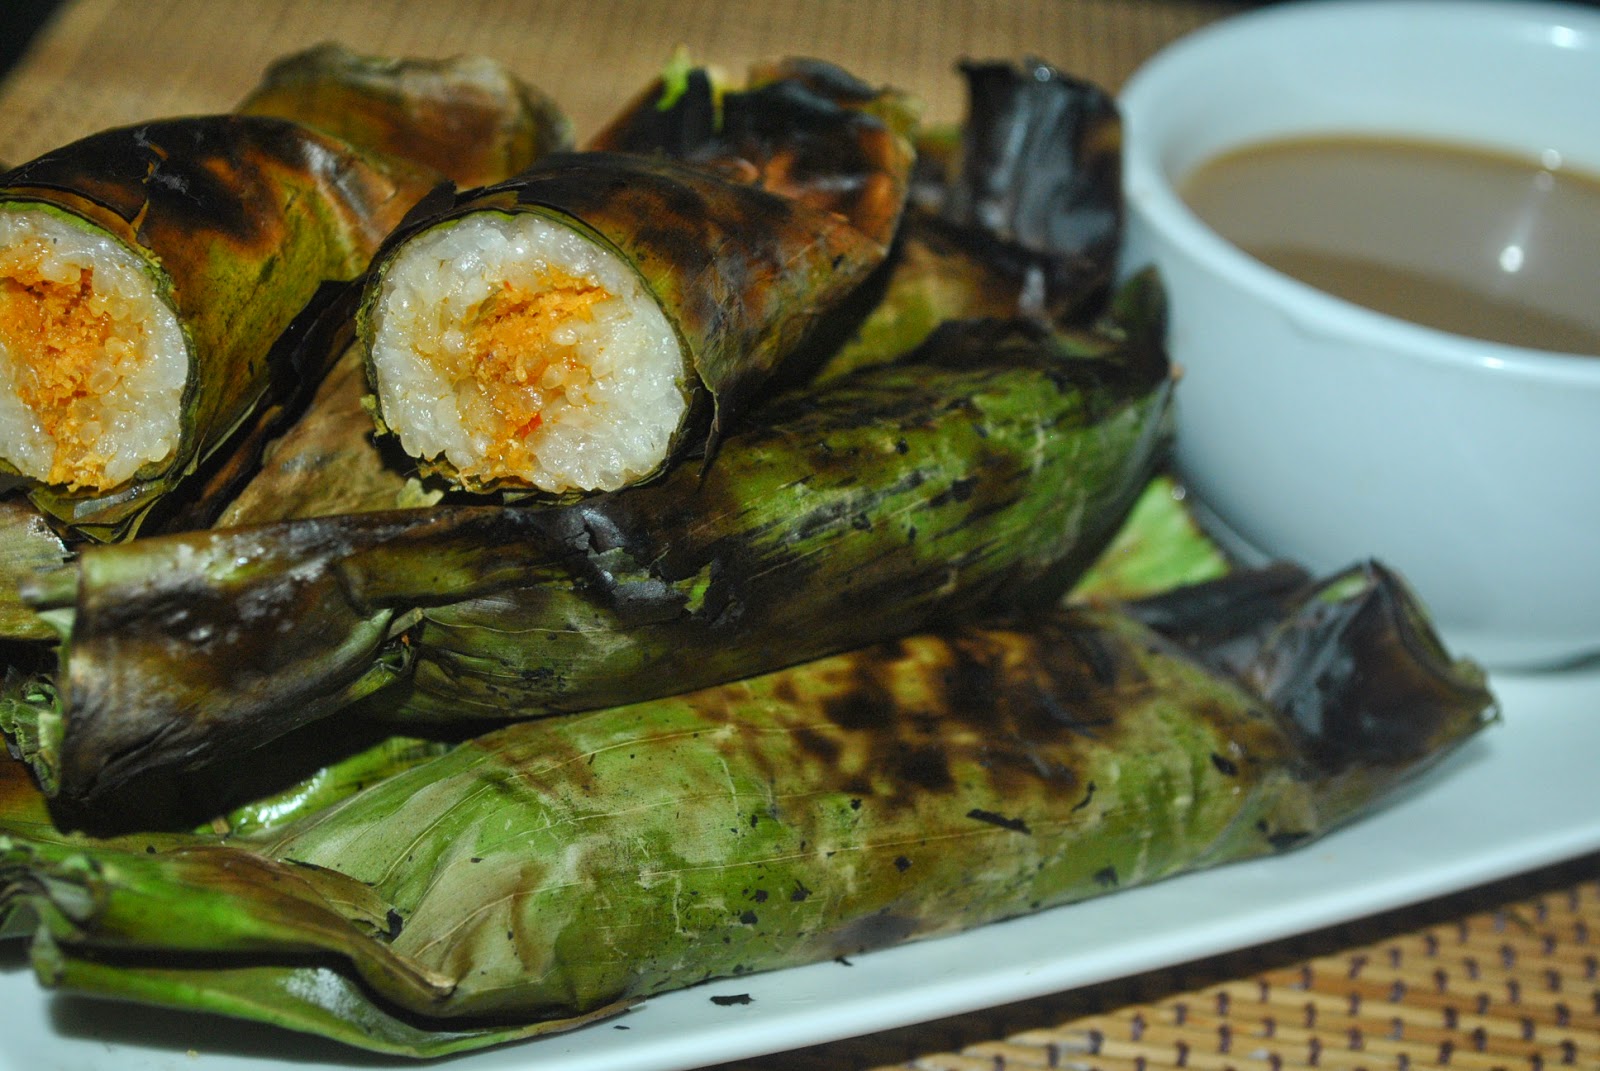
(284, 781)
(466, 117)
(576, 328)
(987, 473)
(805, 129)
(537, 877)
(1040, 168)
(146, 274)
(1019, 213)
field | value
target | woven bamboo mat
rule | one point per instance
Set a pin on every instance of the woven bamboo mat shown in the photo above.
(1500, 977)
(107, 62)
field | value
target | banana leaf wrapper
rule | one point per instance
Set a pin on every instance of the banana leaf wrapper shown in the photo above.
(284, 781)
(327, 462)
(1037, 139)
(467, 117)
(805, 129)
(989, 472)
(1160, 546)
(237, 222)
(1017, 213)
(28, 547)
(551, 872)
(728, 279)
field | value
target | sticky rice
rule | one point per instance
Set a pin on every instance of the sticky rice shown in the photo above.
(92, 359)
(520, 352)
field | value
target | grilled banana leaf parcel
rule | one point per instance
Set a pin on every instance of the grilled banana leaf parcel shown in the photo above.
(1159, 547)
(548, 873)
(580, 326)
(805, 129)
(466, 117)
(987, 470)
(146, 274)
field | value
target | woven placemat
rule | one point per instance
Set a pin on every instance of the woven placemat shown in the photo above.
(1506, 976)
(107, 62)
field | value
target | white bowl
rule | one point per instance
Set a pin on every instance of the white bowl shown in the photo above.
(1320, 431)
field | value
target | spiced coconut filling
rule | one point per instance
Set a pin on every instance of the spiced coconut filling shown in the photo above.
(511, 350)
(92, 359)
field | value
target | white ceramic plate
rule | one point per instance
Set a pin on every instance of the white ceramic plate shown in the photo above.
(1520, 796)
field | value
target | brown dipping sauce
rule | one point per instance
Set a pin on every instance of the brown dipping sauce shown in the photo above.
(1469, 241)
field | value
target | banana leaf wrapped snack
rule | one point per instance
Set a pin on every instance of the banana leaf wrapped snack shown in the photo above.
(146, 274)
(802, 128)
(547, 874)
(988, 470)
(580, 326)
(1159, 547)
(326, 463)
(466, 117)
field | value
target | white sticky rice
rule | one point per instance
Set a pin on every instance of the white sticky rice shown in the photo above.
(581, 389)
(92, 360)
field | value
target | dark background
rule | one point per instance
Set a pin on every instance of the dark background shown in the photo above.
(20, 20)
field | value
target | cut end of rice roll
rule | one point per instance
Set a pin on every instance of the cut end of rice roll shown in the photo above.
(93, 361)
(514, 351)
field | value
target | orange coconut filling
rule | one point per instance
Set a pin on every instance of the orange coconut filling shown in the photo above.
(520, 353)
(92, 361)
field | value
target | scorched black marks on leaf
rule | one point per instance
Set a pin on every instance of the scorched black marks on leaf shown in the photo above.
(1016, 825)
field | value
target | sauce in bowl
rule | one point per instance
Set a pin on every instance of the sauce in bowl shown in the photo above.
(1466, 240)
